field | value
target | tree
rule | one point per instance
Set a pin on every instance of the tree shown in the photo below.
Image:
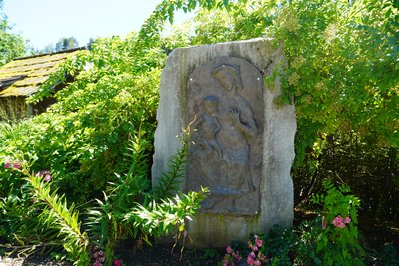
(48, 49)
(90, 43)
(66, 43)
(11, 45)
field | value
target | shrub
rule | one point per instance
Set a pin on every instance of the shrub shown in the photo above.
(338, 242)
(331, 239)
(274, 248)
(129, 209)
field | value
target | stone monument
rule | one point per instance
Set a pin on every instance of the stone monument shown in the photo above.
(243, 145)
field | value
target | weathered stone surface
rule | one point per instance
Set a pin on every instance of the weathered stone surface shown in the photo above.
(226, 104)
(244, 145)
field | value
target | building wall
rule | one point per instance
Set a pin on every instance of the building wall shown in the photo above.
(13, 108)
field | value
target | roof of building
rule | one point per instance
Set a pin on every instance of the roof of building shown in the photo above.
(24, 76)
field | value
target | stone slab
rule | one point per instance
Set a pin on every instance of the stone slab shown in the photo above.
(243, 148)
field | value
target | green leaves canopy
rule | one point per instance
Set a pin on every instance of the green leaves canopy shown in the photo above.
(342, 59)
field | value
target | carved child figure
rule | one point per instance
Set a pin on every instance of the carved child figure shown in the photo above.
(208, 125)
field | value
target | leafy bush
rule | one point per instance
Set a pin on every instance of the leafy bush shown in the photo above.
(331, 239)
(84, 136)
(338, 241)
(341, 68)
(369, 169)
(128, 210)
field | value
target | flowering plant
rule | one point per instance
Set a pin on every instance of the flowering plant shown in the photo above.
(341, 222)
(118, 262)
(257, 256)
(99, 257)
(338, 241)
(232, 256)
(12, 164)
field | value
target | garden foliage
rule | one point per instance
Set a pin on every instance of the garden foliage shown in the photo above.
(341, 72)
(108, 111)
(330, 239)
(338, 241)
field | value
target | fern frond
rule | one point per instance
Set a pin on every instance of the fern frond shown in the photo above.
(170, 181)
(135, 183)
(105, 222)
(160, 219)
(59, 216)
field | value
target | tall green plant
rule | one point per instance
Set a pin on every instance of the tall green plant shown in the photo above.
(105, 222)
(170, 181)
(65, 219)
(132, 210)
(338, 241)
(55, 212)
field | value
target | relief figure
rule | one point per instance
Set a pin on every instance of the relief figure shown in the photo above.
(208, 149)
(224, 157)
(237, 125)
(208, 126)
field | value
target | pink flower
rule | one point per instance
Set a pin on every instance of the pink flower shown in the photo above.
(237, 256)
(338, 222)
(341, 225)
(97, 263)
(258, 241)
(47, 178)
(229, 250)
(252, 247)
(117, 262)
(347, 220)
(17, 165)
(250, 260)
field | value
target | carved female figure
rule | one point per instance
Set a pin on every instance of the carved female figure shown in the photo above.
(237, 125)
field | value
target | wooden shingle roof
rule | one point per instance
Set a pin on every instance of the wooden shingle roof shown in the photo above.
(23, 76)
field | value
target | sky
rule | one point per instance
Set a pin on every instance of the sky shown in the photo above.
(44, 22)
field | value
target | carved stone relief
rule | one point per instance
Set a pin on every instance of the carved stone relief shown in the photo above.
(225, 100)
